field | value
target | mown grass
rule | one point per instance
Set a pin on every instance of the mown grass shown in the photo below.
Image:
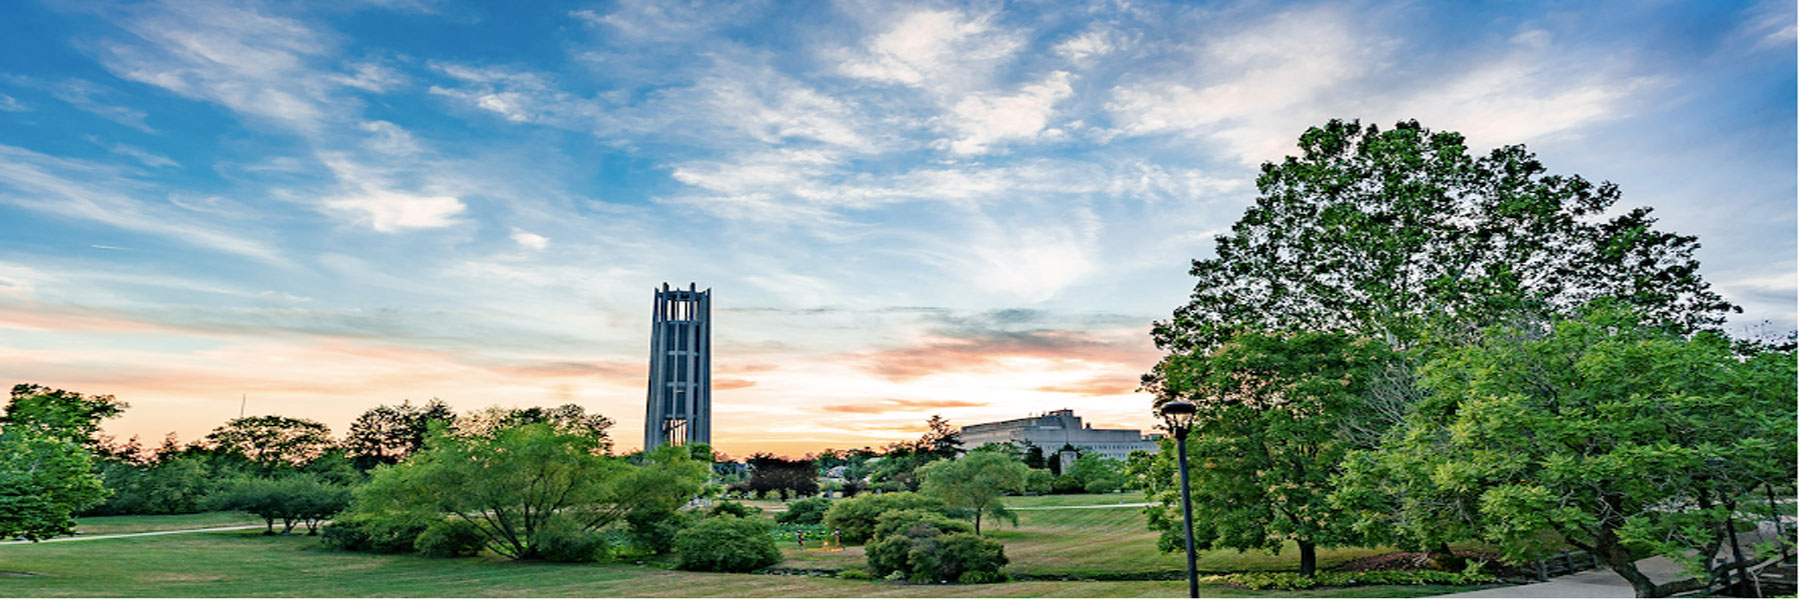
(249, 564)
(147, 523)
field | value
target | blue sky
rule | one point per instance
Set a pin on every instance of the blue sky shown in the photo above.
(902, 208)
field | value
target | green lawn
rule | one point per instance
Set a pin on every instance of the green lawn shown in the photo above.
(140, 524)
(248, 564)
(1046, 547)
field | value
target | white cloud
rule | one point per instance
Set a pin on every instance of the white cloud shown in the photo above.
(389, 139)
(369, 198)
(530, 240)
(253, 63)
(984, 119)
(9, 104)
(91, 192)
(389, 211)
(148, 158)
(1089, 44)
(943, 51)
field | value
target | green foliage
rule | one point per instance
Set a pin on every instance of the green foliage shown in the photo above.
(271, 442)
(1102, 486)
(855, 517)
(385, 435)
(1039, 481)
(896, 521)
(450, 538)
(1384, 233)
(974, 577)
(736, 509)
(563, 539)
(808, 511)
(44, 481)
(508, 484)
(654, 531)
(925, 551)
(976, 482)
(173, 484)
(570, 419)
(856, 574)
(1295, 581)
(60, 414)
(727, 544)
(1597, 429)
(292, 499)
(1267, 439)
(387, 533)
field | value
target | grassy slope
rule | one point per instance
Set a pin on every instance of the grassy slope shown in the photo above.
(246, 564)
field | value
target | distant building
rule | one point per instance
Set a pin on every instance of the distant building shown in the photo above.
(1052, 430)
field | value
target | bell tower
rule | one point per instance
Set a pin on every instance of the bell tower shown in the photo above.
(679, 409)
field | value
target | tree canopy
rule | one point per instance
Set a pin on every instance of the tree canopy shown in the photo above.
(1268, 439)
(975, 482)
(43, 482)
(386, 434)
(272, 442)
(1384, 233)
(60, 414)
(1597, 429)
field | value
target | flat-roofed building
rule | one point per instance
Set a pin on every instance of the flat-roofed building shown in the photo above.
(1054, 429)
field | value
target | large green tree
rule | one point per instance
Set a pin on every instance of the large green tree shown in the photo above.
(60, 414)
(1267, 440)
(272, 442)
(1393, 233)
(1597, 429)
(386, 434)
(975, 482)
(44, 480)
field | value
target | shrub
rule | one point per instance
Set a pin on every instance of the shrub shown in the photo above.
(561, 540)
(449, 539)
(727, 544)
(654, 531)
(855, 517)
(810, 511)
(894, 521)
(393, 533)
(734, 509)
(925, 547)
(1101, 486)
(1038, 481)
(857, 574)
(1066, 484)
(983, 577)
(1293, 581)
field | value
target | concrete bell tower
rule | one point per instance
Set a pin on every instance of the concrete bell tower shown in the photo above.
(679, 409)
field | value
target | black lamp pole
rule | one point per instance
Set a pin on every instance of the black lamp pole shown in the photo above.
(1179, 416)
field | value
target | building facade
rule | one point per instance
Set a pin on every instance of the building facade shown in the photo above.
(1054, 429)
(679, 406)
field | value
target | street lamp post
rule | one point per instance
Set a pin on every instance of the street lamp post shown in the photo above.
(1179, 415)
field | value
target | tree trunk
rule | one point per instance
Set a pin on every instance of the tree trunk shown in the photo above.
(977, 521)
(1612, 553)
(1444, 559)
(1309, 558)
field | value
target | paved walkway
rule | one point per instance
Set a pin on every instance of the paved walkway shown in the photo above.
(83, 538)
(1603, 582)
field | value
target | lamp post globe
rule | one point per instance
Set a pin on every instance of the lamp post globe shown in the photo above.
(1178, 416)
